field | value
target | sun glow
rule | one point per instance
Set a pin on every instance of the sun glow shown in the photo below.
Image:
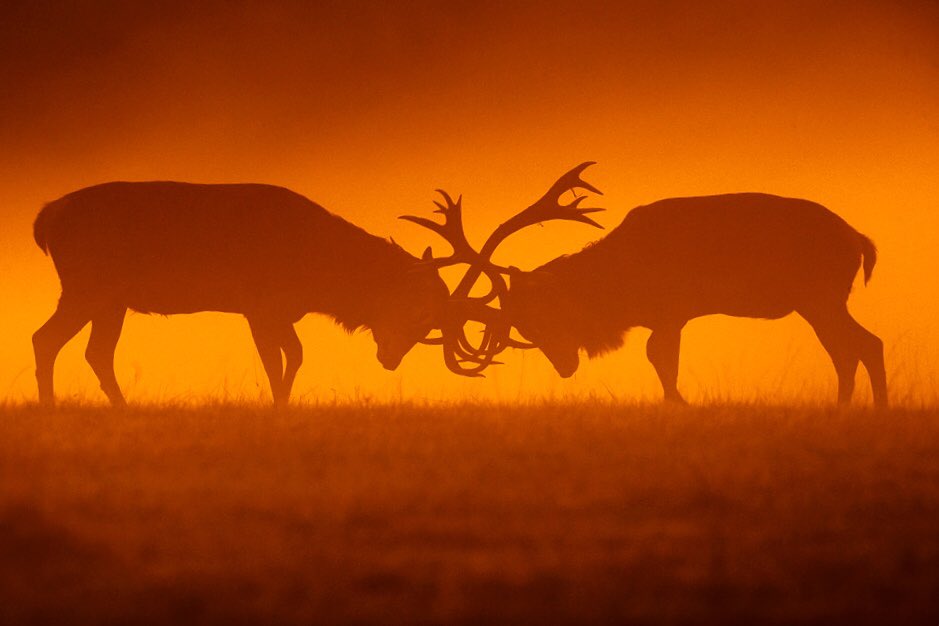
(842, 112)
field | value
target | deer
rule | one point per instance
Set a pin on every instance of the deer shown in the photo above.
(257, 250)
(752, 255)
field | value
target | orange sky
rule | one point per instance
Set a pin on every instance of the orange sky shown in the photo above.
(367, 107)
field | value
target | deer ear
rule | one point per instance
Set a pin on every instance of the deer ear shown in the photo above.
(514, 274)
(428, 254)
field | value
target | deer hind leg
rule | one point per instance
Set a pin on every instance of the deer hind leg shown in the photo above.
(106, 328)
(871, 351)
(662, 350)
(293, 357)
(838, 332)
(64, 324)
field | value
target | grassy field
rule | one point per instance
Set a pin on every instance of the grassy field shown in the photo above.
(469, 514)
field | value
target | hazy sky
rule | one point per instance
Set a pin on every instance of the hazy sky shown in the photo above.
(366, 107)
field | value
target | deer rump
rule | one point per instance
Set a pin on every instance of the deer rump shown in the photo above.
(166, 247)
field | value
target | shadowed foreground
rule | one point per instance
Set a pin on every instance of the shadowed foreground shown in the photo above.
(403, 514)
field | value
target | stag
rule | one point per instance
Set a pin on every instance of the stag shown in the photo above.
(262, 251)
(744, 255)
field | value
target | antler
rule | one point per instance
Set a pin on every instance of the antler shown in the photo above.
(451, 230)
(458, 349)
(547, 208)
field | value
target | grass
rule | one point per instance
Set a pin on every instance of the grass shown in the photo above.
(543, 513)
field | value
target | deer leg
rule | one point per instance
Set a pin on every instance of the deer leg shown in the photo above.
(662, 349)
(48, 341)
(293, 358)
(870, 349)
(266, 339)
(872, 356)
(839, 340)
(105, 331)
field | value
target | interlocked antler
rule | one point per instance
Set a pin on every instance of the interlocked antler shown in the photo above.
(452, 232)
(458, 350)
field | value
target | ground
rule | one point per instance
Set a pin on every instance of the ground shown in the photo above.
(543, 513)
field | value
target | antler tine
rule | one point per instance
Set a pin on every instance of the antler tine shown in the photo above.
(572, 180)
(461, 355)
(451, 229)
(454, 357)
(483, 355)
(462, 352)
(451, 205)
(432, 341)
(519, 345)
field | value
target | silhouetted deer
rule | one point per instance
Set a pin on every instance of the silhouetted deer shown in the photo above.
(262, 251)
(746, 255)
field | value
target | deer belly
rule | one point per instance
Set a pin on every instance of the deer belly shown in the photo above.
(744, 299)
(186, 293)
(690, 297)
